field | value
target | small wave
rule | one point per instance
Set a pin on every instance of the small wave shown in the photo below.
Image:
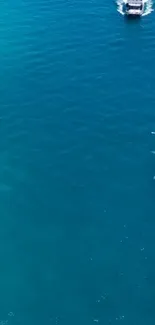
(148, 7)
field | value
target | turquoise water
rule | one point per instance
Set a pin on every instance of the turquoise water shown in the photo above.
(77, 207)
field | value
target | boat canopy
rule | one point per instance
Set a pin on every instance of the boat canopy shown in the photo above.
(134, 2)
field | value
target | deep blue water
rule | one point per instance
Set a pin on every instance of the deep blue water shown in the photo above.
(77, 195)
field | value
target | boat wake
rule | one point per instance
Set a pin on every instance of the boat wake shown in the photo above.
(147, 11)
(148, 7)
(120, 5)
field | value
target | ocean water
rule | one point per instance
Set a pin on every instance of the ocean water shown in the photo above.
(77, 194)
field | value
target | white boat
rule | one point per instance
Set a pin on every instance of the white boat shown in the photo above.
(134, 7)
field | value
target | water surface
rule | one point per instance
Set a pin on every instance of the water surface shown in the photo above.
(76, 178)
